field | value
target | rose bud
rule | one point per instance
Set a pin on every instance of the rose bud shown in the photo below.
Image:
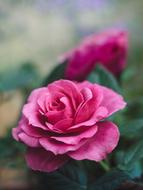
(108, 49)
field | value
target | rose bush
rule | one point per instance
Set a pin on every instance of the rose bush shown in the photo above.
(108, 48)
(67, 120)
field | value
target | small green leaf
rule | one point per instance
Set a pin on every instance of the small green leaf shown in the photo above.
(136, 170)
(132, 129)
(18, 78)
(110, 181)
(101, 76)
(57, 73)
(70, 177)
(133, 154)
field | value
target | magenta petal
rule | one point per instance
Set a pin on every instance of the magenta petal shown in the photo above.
(102, 143)
(62, 125)
(41, 101)
(88, 133)
(112, 101)
(30, 111)
(41, 160)
(29, 129)
(15, 132)
(33, 131)
(29, 141)
(69, 89)
(55, 116)
(100, 114)
(92, 99)
(58, 147)
(85, 109)
(37, 93)
(68, 108)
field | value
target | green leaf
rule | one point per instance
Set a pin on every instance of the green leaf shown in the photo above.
(110, 181)
(133, 155)
(11, 156)
(101, 76)
(70, 177)
(134, 109)
(57, 73)
(18, 78)
(136, 170)
(132, 129)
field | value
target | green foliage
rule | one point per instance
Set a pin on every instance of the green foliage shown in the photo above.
(11, 152)
(57, 73)
(134, 108)
(133, 155)
(73, 177)
(136, 170)
(18, 78)
(110, 181)
(69, 177)
(132, 129)
(101, 76)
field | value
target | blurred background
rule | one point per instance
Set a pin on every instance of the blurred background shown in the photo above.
(33, 35)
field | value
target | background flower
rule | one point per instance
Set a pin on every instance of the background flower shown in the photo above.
(108, 48)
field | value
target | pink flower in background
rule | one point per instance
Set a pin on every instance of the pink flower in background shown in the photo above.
(108, 48)
(67, 120)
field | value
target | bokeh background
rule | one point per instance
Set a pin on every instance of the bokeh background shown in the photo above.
(33, 36)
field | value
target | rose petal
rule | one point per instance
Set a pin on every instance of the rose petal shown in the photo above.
(62, 125)
(68, 108)
(100, 114)
(83, 112)
(15, 132)
(58, 147)
(55, 116)
(30, 130)
(41, 160)
(112, 101)
(30, 111)
(71, 91)
(102, 143)
(92, 99)
(75, 139)
(37, 93)
(41, 101)
(83, 59)
(29, 141)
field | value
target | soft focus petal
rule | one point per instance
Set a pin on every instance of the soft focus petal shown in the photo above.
(102, 143)
(81, 62)
(41, 160)
(15, 132)
(107, 48)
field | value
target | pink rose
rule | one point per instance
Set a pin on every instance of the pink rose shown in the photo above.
(108, 48)
(67, 120)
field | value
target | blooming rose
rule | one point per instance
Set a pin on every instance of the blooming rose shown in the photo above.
(108, 48)
(66, 120)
